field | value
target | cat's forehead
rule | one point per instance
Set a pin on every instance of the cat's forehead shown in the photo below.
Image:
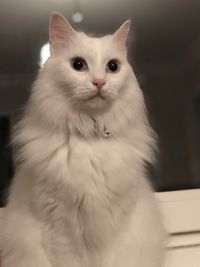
(86, 38)
(99, 47)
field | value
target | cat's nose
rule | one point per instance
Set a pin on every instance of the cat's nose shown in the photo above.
(99, 83)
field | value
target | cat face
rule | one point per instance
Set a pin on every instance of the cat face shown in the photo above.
(92, 71)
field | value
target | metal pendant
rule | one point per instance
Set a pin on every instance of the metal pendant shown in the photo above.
(106, 133)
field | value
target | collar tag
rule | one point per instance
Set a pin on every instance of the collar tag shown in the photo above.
(106, 133)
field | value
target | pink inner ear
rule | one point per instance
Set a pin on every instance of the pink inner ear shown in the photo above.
(60, 33)
(122, 33)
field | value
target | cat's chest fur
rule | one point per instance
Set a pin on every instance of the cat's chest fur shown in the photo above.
(84, 186)
(84, 164)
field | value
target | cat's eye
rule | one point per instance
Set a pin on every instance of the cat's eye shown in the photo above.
(79, 64)
(113, 66)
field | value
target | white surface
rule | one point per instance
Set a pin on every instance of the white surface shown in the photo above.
(181, 210)
(184, 240)
(183, 257)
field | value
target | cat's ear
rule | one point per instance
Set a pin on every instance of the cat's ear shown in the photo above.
(121, 34)
(60, 33)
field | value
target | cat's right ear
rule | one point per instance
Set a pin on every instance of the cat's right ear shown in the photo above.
(60, 33)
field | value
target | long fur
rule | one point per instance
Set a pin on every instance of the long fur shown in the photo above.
(81, 198)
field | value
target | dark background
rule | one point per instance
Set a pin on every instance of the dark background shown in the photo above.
(165, 54)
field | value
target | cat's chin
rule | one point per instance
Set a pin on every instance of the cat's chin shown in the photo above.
(95, 104)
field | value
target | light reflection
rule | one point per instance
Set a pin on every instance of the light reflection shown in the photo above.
(44, 54)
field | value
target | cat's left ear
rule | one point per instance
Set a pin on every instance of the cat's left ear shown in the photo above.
(61, 33)
(121, 34)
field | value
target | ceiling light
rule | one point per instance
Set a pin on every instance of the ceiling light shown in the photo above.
(77, 17)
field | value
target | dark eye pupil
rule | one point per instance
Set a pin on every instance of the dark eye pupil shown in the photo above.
(78, 64)
(113, 65)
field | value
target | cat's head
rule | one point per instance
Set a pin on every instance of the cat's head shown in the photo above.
(93, 72)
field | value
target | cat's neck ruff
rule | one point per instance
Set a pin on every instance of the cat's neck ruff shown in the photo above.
(114, 123)
(105, 134)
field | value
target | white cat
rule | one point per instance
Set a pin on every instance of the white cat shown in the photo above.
(80, 197)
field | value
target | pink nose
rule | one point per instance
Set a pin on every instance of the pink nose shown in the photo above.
(99, 83)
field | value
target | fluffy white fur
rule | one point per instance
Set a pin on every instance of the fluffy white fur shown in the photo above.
(79, 198)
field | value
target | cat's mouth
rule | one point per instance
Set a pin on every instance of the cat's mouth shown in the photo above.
(97, 95)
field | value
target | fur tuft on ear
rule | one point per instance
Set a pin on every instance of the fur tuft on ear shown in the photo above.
(122, 33)
(60, 33)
